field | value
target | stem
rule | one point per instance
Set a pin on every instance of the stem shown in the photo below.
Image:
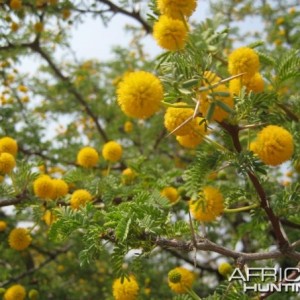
(108, 169)
(240, 209)
(167, 104)
(193, 294)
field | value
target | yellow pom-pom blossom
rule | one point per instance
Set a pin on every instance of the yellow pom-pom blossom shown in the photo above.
(15, 4)
(177, 9)
(48, 217)
(209, 206)
(170, 193)
(19, 239)
(243, 60)
(195, 137)
(140, 94)
(43, 187)
(3, 226)
(128, 175)
(128, 126)
(254, 84)
(15, 292)
(128, 290)
(180, 280)
(80, 198)
(8, 145)
(170, 34)
(7, 163)
(225, 269)
(219, 113)
(60, 188)
(274, 145)
(112, 151)
(176, 116)
(87, 157)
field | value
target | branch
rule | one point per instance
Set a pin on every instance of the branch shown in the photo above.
(283, 243)
(35, 269)
(37, 48)
(207, 245)
(132, 14)
(190, 261)
(293, 275)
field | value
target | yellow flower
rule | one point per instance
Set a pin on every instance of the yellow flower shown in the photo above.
(180, 280)
(87, 157)
(38, 27)
(23, 88)
(280, 20)
(60, 188)
(15, 4)
(170, 34)
(7, 163)
(209, 206)
(216, 95)
(43, 187)
(274, 145)
(243, 60)
(225, 269)
(3, 226)
(112, 151)
(175, 116)
(14, 26)
(128, 290)
(19, 239)
(66, 14)
(48, 217)
(170, 193)
(128, 175)
(128, 126)
(176, 9)
(254, 84)
(8, 145)
(140, 94)
(80, 198)
(195, 136)
(15, 292)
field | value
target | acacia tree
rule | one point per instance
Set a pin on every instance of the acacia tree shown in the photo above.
(165, 174)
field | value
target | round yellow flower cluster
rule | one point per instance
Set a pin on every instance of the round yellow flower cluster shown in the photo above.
(15, 292)
(177, 9)
(126, 290)
(170, 31)
(179, 120)
(79, 198)
(128, 175)
(274, 145)
(209, 206)
(225, 269)
(87, 157)
(170, 34)
(47, 188)
(112, 151)
(8, 151)
(8, 145)
(245, 60)
(213, 96)
(128, 126)
(48, 217)
(3, 226)
(170, 193)
(180, 280)
(140, 94)
(15, 4)
(254, 84)
(19, 239)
